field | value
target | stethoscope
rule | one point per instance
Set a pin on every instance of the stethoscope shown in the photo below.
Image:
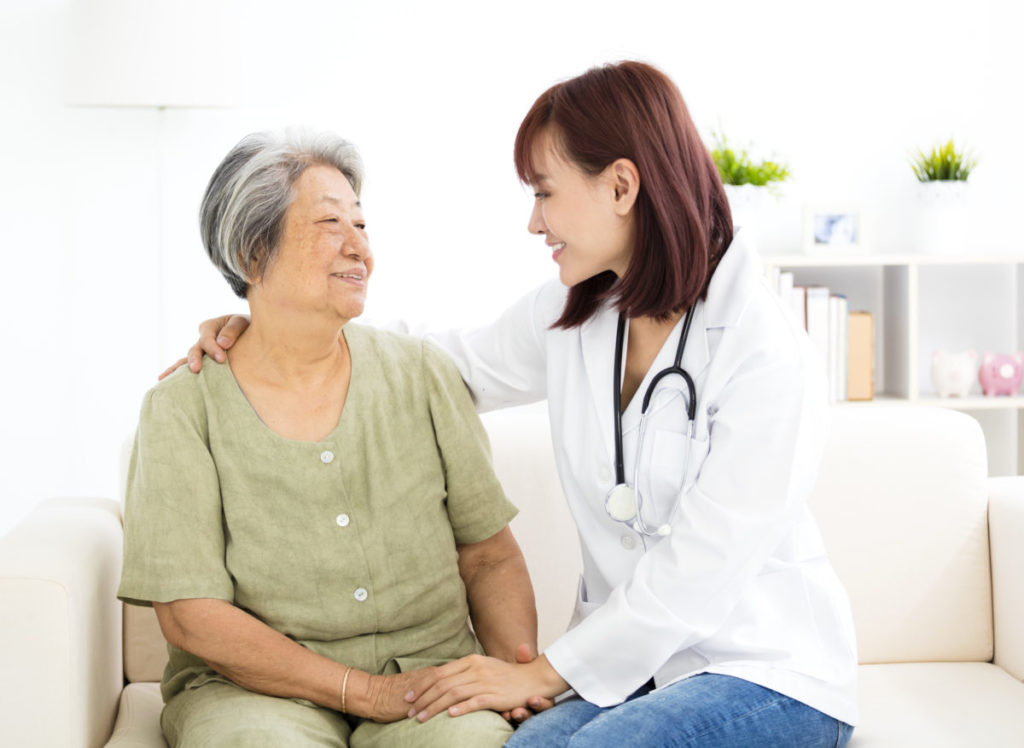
(624, 502)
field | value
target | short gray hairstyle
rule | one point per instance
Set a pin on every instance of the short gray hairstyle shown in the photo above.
(242, 215)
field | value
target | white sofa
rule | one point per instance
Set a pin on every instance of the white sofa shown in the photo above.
(930, 549)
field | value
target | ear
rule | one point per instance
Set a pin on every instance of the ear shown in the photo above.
(625, 182)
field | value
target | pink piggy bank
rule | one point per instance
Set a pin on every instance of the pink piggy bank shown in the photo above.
(1001, 374)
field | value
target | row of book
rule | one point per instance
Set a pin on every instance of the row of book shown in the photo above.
(844, 338)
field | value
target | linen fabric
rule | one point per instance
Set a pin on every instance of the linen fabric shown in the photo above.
(742, 585)
(348, 544)
(227, 716)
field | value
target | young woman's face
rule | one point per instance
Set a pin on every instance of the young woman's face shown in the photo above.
(579, 215)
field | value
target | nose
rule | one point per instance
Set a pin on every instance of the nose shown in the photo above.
(536, 224)
(356, 245)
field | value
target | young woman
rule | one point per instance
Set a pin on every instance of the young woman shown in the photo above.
(688, 416)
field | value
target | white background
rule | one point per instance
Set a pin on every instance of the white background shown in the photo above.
(432, 93)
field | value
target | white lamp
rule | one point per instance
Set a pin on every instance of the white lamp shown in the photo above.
(155, 54)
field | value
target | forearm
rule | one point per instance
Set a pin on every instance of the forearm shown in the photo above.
(259, 658)
(502, 607)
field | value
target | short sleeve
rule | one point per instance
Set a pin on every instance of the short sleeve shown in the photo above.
(174, 531)
(477, 506)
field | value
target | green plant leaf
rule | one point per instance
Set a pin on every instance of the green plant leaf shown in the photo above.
(943, 163)
(737, 167)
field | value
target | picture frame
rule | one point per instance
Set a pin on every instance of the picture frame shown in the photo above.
(833, 228)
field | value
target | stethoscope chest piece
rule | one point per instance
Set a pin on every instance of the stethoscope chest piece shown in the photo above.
(621, 503)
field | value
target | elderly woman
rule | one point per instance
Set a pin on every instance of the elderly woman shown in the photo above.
(309, 518)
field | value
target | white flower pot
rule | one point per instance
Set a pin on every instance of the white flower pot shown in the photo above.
(751, 207)
(942, 218)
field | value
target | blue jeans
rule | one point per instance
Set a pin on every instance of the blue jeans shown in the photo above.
(705, 710)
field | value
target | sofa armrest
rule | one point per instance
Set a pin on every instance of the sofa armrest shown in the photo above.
(60, 624)
(1006, 531)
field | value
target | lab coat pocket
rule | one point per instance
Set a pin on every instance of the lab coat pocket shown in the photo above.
(676, 461)
(583, 607)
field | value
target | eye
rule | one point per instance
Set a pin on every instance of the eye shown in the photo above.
(328, 220)
(541, 195)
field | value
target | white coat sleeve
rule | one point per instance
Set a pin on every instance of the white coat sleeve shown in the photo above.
(766, 434)
(505, 363)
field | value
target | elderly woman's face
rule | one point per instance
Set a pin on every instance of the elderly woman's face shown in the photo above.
(323, 261)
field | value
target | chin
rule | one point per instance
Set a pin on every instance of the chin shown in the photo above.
(570, 278)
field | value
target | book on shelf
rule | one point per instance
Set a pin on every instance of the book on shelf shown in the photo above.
(843, 338)
(819, 329)
(861, 382)
(838, 309)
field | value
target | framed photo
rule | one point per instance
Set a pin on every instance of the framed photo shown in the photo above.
(833, 228)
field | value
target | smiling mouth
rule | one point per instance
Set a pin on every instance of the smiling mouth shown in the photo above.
(556, 250)
(357, 278)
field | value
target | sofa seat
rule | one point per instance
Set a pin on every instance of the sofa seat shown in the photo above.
(902, 706)
(928, 546)
(138, 718)
(937, 704)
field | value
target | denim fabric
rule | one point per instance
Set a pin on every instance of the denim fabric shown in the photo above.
(708, 710)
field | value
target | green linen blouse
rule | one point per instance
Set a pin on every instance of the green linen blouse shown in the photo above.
(347, 545)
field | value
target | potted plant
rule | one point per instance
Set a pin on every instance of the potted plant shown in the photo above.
(942, 224)
(748, 183)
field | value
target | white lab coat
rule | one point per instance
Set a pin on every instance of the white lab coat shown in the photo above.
(741, 586)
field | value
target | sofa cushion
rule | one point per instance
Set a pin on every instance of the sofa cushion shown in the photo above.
(138, 717)
(524, 462)
(145, 649)
(955, 704)
(902, 506)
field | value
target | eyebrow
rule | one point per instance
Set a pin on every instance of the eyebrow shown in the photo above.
(336, 201)
(537, 178)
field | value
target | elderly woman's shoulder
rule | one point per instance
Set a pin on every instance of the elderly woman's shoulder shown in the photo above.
(399, 350)
(184, 387)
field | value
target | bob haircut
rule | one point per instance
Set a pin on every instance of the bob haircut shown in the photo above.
(684, 226)
(242, 214)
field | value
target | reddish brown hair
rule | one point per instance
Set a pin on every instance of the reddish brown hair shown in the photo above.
(632, 110)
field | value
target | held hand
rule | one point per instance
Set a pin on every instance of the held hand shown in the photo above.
(216, 336)
(535, 704)
(477, 682)
(388, 696)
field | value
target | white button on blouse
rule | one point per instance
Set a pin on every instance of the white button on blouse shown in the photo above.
(360, 594)
(327, 457)
(342, 520)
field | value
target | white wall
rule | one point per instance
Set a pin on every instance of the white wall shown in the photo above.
(433, 93)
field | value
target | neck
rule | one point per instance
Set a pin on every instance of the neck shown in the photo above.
(649, 327)
(289, 346)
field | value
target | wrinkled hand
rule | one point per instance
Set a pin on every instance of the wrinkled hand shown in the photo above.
(477, 682)
(216, 336)
(389, 695)
(534, 704)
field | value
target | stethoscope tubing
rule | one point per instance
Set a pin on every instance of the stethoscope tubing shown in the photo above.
(676, 368)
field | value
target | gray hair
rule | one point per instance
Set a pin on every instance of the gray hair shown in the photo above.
(243, 210)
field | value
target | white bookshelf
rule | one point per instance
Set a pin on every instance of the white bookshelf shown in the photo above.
(922, 303)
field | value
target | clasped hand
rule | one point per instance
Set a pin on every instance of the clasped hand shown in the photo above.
(478, 682)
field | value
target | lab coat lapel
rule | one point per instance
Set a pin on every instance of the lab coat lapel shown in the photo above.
(597, 340)
(696, 356)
